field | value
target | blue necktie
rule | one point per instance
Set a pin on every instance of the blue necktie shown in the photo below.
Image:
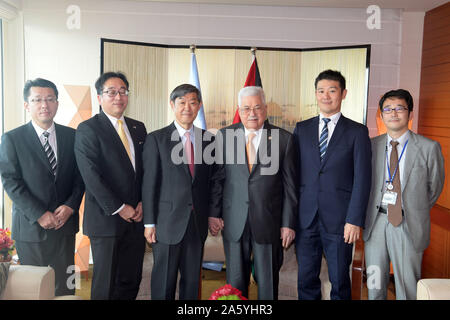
(49, 152)
(323, 141)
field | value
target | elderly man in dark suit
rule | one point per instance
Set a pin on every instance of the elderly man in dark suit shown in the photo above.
(40, 175)
(254, 195)
(335, 169)
(175, 197)
(108, 149)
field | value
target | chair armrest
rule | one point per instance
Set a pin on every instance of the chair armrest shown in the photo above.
(30, 283)
(433, 289)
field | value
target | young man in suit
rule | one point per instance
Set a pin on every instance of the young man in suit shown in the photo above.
(40, 175)
(175, 197)
(254, 195)
(335, 169)
(407, 179)
(108, 149)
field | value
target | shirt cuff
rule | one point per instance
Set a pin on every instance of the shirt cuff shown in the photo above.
(149, 225)
(118, 210)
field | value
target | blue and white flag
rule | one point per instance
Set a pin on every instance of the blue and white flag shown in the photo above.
(195, 81)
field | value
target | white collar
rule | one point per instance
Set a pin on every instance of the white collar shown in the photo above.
(401, 140)
(182, 131)
(334, 118)
(114, 119)
(40, 131)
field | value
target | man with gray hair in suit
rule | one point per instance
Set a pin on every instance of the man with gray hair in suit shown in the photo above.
(407, 179)
(254, 195)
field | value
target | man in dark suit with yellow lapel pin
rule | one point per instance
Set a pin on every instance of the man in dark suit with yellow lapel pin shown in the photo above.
(40, 175)
(108, 149)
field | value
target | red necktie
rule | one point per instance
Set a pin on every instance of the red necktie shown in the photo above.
(189, 149)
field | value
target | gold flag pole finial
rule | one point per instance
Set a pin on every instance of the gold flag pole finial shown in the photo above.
(192, 47)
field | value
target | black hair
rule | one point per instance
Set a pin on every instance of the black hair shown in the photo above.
(105, 77)
(184, 89)
(38, 82)
(331, 75)
(399, 94)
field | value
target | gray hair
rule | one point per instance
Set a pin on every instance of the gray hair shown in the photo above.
(251, 91)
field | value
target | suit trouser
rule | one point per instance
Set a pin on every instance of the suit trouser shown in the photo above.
(311, 243)
(58, 252)
(267, 258)
(118, 265)
(388, 243)
(186, 257)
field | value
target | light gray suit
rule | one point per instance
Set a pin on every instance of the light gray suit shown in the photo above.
(422, 182)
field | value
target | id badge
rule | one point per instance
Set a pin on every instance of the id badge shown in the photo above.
(389, 197)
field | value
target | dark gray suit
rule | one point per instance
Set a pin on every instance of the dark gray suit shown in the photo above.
(178, 205)
(254, 206)
(29, 181)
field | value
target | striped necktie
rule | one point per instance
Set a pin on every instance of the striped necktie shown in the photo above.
(323, 141)
(49, 152)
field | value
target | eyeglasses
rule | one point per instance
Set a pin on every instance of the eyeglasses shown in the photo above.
(246, 110)
(113, 92)
(388, 110)
(40, 100)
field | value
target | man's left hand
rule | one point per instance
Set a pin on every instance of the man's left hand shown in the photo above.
(62, 214)
(351, 233)
(287, 236)
(139, 213)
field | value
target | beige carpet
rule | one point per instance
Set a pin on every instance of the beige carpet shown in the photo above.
(211, 280)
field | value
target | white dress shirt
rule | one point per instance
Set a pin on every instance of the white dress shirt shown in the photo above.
(331, 124)
(401, 143)
(51, 137)
(182, 131)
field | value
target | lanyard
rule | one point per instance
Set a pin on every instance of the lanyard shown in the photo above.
(391, 178)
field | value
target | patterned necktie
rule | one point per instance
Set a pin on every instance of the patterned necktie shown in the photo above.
(395, 210)
(251, 152)
(49, 152)
(323, 141)
(124, 138)
(189, 149)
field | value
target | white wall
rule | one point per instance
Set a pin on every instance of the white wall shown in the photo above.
(73, 56)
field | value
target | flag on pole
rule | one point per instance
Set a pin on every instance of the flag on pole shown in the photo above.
(195, 81)
(253, 79)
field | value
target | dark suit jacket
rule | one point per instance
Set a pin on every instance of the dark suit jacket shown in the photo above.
(168, 191)
(108, 173)
(29, 181)
(268, 200)
(338, 187)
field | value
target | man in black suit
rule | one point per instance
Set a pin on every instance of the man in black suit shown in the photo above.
(108, 149)
(175, 196)
(40, 175)
(254, 195)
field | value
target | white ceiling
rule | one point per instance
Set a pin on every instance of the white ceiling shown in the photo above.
(407, 5)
